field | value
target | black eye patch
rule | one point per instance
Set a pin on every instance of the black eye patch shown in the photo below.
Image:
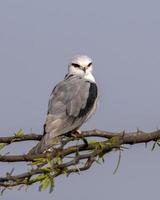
(89, 64)
(76, 65)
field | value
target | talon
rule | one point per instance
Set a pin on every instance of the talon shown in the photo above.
(85, 142)
(80, 135)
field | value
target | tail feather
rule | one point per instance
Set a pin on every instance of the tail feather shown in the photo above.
(45, 144)
(39, 148)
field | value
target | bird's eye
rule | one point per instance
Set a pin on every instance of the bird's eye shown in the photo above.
(76, 65)
(89, 64)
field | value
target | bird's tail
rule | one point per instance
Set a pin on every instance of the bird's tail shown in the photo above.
(45, 144)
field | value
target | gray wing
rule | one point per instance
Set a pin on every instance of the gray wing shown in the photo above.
(66, 109)
(72, 102)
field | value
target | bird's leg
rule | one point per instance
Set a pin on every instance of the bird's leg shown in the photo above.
(79, 134)
(62, 141)
(76, 134)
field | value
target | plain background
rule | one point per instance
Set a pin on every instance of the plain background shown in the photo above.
(37, 40)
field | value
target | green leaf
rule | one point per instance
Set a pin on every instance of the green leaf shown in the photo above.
(2, 192)
(46, 170)
(98, 145)
(38, 178)
(92, 142)
(2, 145)
(47, 182)
(51, 185)
(38, 161)
(57, 160)
(44, 184)
(101, 145)
(19, 134)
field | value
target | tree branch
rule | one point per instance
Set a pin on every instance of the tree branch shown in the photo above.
(69, 157)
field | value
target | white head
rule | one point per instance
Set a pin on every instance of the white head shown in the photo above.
(81, 65)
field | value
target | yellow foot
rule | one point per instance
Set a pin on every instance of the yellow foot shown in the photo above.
(78, 134)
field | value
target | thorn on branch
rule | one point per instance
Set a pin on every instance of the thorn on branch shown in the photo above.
(69, 157)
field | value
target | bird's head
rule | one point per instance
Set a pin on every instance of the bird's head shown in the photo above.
(80, 65)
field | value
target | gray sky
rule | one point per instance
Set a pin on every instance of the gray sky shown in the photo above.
(37, 39)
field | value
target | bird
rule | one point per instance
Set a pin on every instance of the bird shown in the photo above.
(72, 102)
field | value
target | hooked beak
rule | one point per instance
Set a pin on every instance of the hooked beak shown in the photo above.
(84, 69)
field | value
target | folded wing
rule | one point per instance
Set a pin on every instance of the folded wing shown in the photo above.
(70, 105)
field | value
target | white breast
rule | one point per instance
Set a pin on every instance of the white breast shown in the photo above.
(89, 77)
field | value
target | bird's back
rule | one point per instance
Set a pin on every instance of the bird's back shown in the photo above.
(70, 104)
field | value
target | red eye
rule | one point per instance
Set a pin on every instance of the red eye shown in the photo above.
(89, 64)
(76, 65)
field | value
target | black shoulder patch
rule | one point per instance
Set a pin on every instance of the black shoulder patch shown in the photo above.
(90, 101)
(44, 129)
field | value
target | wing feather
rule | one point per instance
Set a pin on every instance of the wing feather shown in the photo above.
(67, 101)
